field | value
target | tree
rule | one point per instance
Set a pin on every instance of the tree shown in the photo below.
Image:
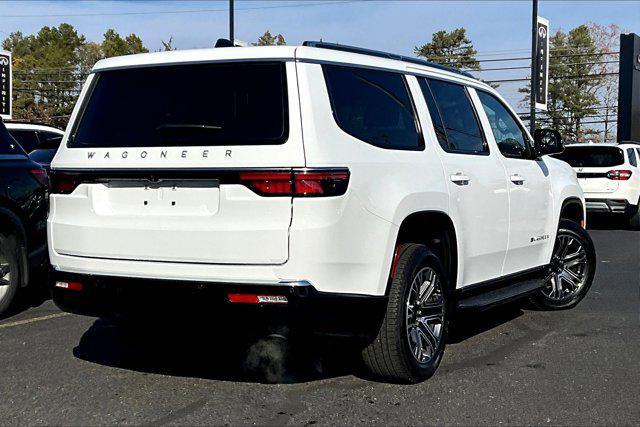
(51, 66)
(453, 49)
(167, 45)
(268, 40)
(88, 54)
(574, 80)
(607, 39)
(114, 45)
(45, 73)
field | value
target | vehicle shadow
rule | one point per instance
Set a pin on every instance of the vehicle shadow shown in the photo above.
(607, 222)
(209, 350)
(468, 325)
(32, 296)
(228, 353)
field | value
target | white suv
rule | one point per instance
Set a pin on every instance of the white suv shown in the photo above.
(361, 193)
(609, 176)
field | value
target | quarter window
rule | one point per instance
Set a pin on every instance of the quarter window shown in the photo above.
(632, 157)
(452, 110)
(436, 119)
(511, 139)
(49, 140)
(373, 106)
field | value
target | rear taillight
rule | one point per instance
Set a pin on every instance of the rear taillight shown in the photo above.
(256, 299)
(63, 183)
(298, 182)
(71, 286)
(619, 175)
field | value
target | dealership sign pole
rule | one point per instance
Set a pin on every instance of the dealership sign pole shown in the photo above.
(542, 63)
(534, 38)
(539, 64)
(5, 85)
(231, 23)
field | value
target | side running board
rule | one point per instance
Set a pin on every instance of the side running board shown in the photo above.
(486, 295)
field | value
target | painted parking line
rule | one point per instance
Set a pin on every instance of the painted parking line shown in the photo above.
(32, 320)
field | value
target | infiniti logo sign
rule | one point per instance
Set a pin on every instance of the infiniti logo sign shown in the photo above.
(4, 60)
(542, 32)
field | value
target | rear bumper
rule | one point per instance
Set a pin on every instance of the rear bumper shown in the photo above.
(306, 308)
(617, 206)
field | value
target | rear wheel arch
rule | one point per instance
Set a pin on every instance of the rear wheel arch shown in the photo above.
(436, 230)
(572, 210)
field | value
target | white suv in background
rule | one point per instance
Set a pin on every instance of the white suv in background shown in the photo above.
(609, 176)
(347, 191)
(33, 136)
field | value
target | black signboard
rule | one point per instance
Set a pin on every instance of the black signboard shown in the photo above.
(629, 88)
(542, 63)
(5, 85)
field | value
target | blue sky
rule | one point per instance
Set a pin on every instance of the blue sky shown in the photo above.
(497, 28)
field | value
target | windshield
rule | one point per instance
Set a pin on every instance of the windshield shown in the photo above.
(591, 156)
(186, 105)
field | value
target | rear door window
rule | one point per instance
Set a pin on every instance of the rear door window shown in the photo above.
(28, 139)
(186, 105)
(632, 157)
(8, 144)
(456, 113)
(373, 106)
(590, 156)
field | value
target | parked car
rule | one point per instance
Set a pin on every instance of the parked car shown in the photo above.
(350, 192)
(23, 215)
(609, 176)
(39, 141)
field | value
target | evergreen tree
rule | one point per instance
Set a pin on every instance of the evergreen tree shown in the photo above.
(453, 49)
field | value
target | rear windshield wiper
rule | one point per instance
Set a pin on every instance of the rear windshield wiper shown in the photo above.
(172, 126)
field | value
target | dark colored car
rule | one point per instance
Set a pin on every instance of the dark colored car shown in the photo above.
(24, 190)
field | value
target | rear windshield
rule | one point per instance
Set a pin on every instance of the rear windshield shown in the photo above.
(592, 157)
(186, 105)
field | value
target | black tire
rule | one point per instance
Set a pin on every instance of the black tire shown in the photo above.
(571, 230)
(390, 356)
(10, 267)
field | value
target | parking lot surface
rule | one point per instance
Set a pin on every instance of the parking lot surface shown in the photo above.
(513, 365)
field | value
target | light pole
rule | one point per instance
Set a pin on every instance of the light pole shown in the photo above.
(231, 36)
(534, 60)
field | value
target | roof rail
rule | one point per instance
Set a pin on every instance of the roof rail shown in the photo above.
(381, 54)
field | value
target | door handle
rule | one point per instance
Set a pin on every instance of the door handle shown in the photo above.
(517, 179)
(460, 179)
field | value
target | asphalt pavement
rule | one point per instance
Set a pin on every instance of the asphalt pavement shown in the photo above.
(512, 365)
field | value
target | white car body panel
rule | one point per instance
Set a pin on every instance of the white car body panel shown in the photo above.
(339, 244)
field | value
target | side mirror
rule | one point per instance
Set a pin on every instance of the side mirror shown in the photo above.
(547, 141)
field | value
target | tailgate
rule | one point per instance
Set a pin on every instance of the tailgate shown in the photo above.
(152, 166)
(594, 180)
(176, 220)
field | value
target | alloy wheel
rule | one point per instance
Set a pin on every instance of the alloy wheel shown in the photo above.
(5, 276)
(425, 308)
(568, 272)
